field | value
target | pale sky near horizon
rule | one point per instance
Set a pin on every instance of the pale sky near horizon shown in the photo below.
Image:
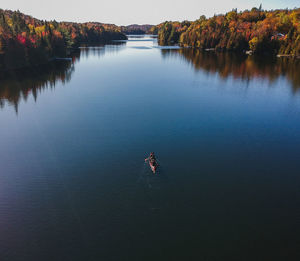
(135, 11)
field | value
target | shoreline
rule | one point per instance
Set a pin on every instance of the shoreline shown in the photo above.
(244, 52)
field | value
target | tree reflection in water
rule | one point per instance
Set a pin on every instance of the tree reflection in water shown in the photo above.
(241, 66)
(16, 86)
(19, 85)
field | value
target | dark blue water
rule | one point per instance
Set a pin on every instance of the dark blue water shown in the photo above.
(74, 135)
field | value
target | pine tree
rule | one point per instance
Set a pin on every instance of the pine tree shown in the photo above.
(2, 45)
(3, 24)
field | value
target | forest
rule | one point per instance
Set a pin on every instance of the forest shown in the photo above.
(26, 41)
(255, 30)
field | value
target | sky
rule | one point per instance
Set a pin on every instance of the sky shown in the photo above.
(125, 12)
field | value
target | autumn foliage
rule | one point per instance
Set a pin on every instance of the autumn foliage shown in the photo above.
(260, 31)
(25, 40)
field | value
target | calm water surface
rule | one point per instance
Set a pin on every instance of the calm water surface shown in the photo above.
(74, 135)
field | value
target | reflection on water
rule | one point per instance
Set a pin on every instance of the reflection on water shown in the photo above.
(100, 50)
(241, 67)
(17, 86)
(74, 184)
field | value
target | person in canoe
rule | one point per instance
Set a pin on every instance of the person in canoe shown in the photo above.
(152, 162)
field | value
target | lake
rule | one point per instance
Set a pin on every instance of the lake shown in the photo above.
(74, 136)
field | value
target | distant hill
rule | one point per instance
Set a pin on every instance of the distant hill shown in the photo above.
(136, 29)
